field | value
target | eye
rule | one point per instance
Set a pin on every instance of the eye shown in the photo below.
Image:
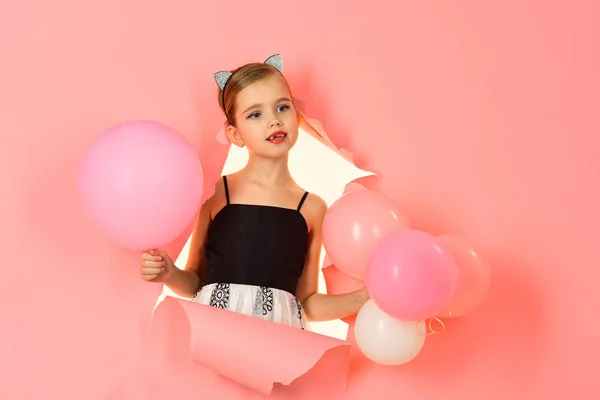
(254, 115)
(283, 107)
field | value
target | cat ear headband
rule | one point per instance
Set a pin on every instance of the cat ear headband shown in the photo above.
(222, 77)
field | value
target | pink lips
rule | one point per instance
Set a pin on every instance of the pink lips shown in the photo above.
(277, 137)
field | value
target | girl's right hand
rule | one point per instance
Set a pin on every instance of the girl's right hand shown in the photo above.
(156, 266)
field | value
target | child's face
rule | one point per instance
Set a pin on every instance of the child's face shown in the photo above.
(263, 109)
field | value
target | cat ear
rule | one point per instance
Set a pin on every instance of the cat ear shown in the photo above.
(222, 77)
(275, 61)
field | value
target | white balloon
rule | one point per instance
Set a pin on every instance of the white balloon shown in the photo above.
(386, 340)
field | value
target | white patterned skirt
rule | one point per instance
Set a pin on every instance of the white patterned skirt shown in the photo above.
(273, 305)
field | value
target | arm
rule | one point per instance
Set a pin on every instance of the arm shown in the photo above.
(187, 282)
(318, 306)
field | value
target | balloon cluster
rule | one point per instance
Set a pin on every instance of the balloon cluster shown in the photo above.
(412, 276)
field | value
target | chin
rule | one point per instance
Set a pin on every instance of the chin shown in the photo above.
(280, 150)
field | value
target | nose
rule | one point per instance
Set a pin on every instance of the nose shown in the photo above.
(274, 122)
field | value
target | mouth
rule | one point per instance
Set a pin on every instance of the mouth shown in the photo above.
(277, 136)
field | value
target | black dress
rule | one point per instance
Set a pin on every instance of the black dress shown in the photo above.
(255, 255)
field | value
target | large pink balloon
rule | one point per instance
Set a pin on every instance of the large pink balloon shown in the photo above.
(141, 183)
(411, 275)
(473, 280)
(353, 226)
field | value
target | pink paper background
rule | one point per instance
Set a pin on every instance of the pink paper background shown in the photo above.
(481, 117)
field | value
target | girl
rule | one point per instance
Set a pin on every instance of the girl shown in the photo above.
(257, 242)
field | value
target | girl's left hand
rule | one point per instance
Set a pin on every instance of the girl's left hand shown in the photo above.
(364, 295)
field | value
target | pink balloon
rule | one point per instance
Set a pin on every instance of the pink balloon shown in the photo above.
(353, 226)
(411, 275)
(141, 183)
(474, 277)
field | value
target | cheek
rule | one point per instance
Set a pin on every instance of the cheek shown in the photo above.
(252, 133)
(292, 124)
(290, 119)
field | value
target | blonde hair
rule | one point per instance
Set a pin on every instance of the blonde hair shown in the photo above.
(242, 77)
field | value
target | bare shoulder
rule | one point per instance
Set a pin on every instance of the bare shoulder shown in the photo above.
(314, 209)
(217, 201)
(315, 204)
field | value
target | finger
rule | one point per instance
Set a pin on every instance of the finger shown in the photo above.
(149, 278)
(162, 253)
(152, 271)
(168, 260)
(150, 257)
(153, 264)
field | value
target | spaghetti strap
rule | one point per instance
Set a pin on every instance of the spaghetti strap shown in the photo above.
(302, 200)
(226, 188)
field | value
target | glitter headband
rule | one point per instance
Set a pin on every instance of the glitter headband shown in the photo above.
(222, 77)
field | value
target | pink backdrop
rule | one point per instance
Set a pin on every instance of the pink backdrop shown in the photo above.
(482, 120)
